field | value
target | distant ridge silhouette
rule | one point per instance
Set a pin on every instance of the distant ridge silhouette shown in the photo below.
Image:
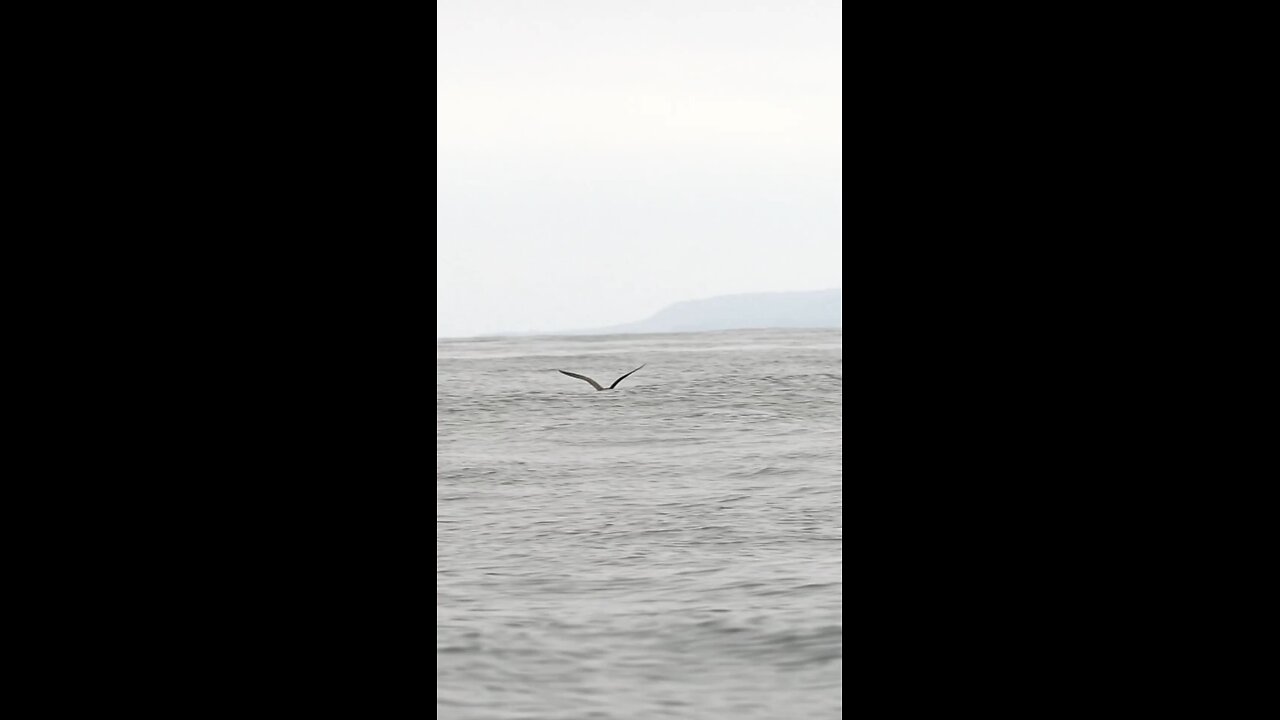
(816, 309)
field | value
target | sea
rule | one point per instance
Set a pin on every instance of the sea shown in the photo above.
(672, 548)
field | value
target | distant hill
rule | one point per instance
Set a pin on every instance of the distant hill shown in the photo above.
(818, 309)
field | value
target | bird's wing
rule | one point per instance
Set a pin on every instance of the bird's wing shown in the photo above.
(594, 384)
(624, 377)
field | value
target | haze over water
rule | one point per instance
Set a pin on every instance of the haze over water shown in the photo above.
(668, 549)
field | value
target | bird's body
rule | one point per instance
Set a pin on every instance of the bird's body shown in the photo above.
(595, 384)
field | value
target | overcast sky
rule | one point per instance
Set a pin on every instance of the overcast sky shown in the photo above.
(597, 160)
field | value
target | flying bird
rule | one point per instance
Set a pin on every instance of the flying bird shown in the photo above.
(595, 384)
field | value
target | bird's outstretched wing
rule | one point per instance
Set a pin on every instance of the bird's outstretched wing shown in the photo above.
(624, 377)
(594, 384)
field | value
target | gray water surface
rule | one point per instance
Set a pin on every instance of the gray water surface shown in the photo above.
(668, 549)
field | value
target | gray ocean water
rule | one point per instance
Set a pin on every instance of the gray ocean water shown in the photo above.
(668, 549)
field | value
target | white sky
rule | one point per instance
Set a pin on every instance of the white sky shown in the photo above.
(598, 160)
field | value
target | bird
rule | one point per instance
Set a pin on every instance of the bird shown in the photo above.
(595, 384)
